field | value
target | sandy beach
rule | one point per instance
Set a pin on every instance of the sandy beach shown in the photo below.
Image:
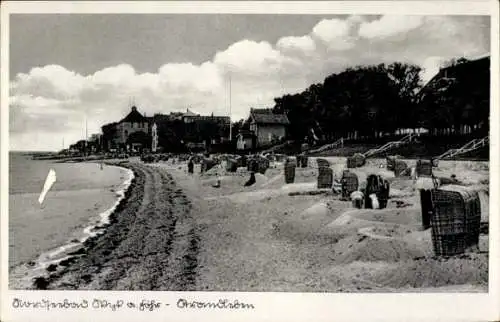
(176, 232)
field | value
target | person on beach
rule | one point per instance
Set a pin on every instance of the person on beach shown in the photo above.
(190, 166)
(374, 201)
(357, 199)
(218, 169)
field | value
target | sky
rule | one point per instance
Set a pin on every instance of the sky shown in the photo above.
(68, 70)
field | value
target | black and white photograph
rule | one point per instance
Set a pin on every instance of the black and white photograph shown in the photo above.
(301, 153)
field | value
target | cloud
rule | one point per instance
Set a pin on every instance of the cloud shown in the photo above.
(389, 25)
(303, 44)
(51, 102)
(334, 33)
(249, 57)
(204, 78)
(51, 81)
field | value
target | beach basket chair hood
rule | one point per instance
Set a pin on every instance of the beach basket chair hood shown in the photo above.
(322, 163)
(455, 220)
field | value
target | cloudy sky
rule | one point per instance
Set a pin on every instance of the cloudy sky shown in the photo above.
(68, 68)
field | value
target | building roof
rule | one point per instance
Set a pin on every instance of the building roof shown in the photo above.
(261, 110)
(265, 116)
(474, 73)
(467, 69)
(134, 116)
(190, 113)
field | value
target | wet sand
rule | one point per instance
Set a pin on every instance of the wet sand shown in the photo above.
(176, 232)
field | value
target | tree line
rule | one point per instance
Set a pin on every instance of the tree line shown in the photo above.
(372, 101)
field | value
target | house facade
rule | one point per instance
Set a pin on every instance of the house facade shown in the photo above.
(268, 128)
(129, 134)
(134, 132)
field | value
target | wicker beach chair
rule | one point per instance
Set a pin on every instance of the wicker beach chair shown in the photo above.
(231, 165)
(350, 183)
(263, 165)
(391, 162)
(455, 219)
(325, 178)
(400, 167)
(304, 161)
(289, 171)
(356, 161)
(377, 185)
(424, 168)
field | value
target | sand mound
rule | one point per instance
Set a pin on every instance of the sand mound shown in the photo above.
(389, 215)
(427, 272)
(299, 187)
(276, 180)
(310, 223)
(249, 196)
(366, 249)
(260, 178)
(389, 231)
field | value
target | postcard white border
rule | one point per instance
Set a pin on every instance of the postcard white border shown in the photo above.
(269, 306)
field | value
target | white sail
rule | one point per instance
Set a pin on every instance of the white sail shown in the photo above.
(51, 179)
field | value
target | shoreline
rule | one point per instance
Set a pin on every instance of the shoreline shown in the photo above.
(151, 226)
(60, 254)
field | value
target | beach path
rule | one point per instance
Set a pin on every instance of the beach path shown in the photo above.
(150, 244)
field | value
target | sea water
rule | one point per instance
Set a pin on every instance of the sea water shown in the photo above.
(83, 196)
